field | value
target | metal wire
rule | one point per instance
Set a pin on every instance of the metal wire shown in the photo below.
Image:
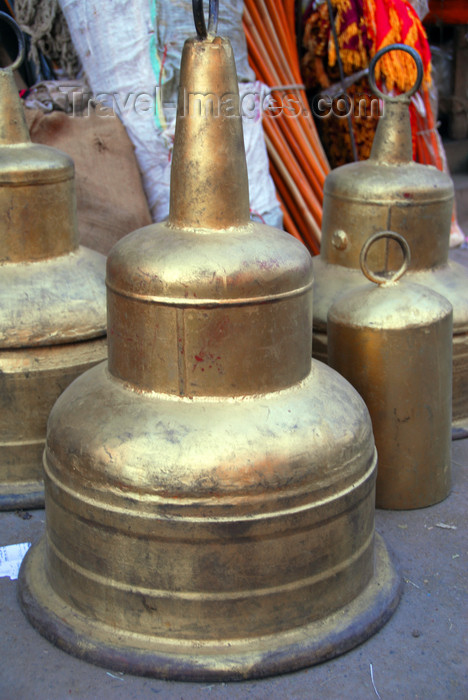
(404, 97)
(20, 38)
(380, 279)
(199, 18)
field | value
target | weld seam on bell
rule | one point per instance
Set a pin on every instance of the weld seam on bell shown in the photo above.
(207, 303)
(358, 491)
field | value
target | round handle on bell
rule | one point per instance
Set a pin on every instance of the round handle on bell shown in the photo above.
(199, 18)
(404, 97)
(379, 279)
(20, 38)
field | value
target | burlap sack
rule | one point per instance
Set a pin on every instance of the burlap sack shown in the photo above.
(110, 197)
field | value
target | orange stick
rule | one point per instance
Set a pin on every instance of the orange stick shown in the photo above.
(290, 226)
(261, 38)
(295, 135)
(262, 54)
(272, 129)
(290, 12)
(294, 171)
(291, 207)
(264, 16)
(258, 57)
(266, 71)
(294, 190)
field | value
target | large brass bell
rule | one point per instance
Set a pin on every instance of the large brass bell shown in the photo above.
(52, 295)
(209, 490)
(393, 341)
(391, 191)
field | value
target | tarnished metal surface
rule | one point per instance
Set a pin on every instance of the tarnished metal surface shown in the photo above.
(210, 490)
(393, 343)
(391, 192)
(52, 293)
(31, 379)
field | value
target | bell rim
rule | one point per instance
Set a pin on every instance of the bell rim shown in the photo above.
(289, 651)
(26, 495)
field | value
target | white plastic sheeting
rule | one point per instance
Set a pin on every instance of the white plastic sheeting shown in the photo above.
(131, 56)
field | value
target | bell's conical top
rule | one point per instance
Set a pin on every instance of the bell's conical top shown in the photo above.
(13, 128)
(209, 185)
(392, 141)
(37, 189)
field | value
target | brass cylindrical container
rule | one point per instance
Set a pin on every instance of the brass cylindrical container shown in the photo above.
(393, 342)
(52, 298)
(391, 191)
(209, 491)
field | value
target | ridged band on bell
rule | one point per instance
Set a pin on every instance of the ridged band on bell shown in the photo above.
(210, 492)
(52, 298)
(392, 192)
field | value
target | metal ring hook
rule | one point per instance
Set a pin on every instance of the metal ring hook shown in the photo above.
(199, 18)
(404, 97)
(20, 38)
(379, 279)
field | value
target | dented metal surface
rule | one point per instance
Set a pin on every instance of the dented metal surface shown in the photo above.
(209, 491)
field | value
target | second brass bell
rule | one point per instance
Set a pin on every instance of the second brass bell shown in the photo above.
(391, 191)
(52, 297)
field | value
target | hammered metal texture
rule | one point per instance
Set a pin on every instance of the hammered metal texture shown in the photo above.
(210, 490)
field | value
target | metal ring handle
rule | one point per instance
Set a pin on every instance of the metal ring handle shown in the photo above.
(199, 18)
(378, 279)
(404, 97)
(20, 38)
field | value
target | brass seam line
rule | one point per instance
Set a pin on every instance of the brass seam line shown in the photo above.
(40, 441)
(206, 595)
(361, 484)
(50, 180)
(181, 358)
(385, 203)
(207, 303)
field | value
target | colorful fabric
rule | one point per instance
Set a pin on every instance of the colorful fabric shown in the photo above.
(363, 27)
(395, 21)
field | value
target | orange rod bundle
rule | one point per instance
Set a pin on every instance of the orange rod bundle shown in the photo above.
(298, 162)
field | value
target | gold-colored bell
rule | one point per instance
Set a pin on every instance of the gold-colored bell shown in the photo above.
(52, 296)
(393, 342)
(391, 191)
(209, 491)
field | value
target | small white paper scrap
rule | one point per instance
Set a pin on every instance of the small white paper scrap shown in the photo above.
(11, 557)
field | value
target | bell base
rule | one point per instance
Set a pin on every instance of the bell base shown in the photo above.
(22, 496)
(460, 429)
(224, 660)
